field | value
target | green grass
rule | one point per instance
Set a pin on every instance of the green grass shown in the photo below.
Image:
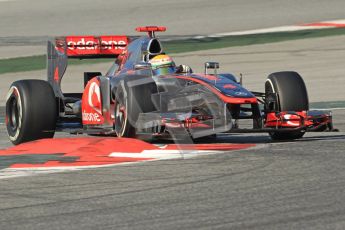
(22, 64)
(179, 46)
(327, 105)
(245, 40)
(38, 62)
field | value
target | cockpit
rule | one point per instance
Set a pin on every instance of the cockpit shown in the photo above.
(141, 49)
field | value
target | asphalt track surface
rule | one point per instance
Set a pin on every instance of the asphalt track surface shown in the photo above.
(276, 185)
(284, 185)
(192, 17)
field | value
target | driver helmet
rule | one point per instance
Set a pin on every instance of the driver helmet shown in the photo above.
(162, 65)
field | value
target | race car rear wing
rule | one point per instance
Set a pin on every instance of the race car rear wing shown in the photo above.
(109, 46)
(82, 47)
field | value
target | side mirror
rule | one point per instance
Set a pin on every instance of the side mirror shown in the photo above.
(211, 65)
(142, 66)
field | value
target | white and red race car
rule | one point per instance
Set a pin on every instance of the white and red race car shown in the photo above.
(130, 101)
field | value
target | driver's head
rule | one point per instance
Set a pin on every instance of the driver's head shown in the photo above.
(162, 64)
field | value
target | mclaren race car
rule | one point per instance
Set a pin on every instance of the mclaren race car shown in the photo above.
(135, 99)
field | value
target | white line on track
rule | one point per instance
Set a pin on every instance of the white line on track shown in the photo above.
(267, 30)
(152, 155)
(308, 26)
(329, 109)
(20, 172)
(160, 154)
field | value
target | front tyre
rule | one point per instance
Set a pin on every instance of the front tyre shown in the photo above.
(30, 111)
(291, 96)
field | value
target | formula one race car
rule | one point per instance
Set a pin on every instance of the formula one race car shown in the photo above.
(144, 94)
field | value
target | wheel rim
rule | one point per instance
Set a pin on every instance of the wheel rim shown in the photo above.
(13, 114)
(271, 101)
(120, 118)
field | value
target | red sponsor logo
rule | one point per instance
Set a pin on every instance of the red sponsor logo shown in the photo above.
(91, 117)
(229, 86)
(87, 44)
(91, 45)
(91, 103)
(209, 77)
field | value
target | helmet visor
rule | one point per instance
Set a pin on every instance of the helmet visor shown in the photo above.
(164, 70)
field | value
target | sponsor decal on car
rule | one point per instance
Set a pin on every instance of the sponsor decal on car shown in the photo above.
(94, 96)
(92, 45)
(92, 104)
(91, 117)
(83, 44)
(241, 93)
(229, 86)
(209, 77)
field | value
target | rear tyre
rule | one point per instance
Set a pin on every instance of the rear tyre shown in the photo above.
(132, 97)
(30, 111)
(291, 96)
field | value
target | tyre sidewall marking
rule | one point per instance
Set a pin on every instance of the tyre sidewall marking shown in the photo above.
(126, 107)
(269, 80)
(274, 91)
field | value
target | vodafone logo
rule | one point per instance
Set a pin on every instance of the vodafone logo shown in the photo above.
(91, 117)
(83, 44)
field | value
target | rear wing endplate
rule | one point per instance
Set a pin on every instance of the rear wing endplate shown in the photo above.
(82, 47)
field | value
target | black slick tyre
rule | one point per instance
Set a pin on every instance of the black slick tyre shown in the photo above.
(31, 111)
(291, 96)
